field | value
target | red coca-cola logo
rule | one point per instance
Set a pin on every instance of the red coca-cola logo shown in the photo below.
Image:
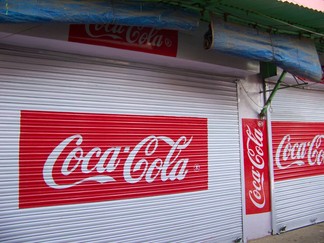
(72, 157)
(298, 149)
(136, 38)
(256, 166)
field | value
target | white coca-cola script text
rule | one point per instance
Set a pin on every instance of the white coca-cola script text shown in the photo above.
(256, 157)
(170, 167)
(131, 34)
(300, 153)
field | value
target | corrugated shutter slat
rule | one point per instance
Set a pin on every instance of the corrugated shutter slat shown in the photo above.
(44, 81)
(298, 199)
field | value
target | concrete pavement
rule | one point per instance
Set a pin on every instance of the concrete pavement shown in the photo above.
(309, 234)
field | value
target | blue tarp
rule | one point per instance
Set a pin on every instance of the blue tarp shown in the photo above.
(98, 12)
(291, 53)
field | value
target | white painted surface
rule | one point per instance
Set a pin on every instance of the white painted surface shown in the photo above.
(250, 105)
(258, 225)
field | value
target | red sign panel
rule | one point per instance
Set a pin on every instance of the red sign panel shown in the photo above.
(256, 166)
(67, 158)
(298, 149)
(134, 38)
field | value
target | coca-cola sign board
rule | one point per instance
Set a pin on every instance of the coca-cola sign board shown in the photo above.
(67, 158)
(298, 149)
(134, 38)
(256, 166)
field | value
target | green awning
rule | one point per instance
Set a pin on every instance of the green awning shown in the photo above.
(270, 15)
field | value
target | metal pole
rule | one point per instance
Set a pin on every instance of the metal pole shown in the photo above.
(274, 91)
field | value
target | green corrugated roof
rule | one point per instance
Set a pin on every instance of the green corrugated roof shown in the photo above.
(272, 15)
(268, 12)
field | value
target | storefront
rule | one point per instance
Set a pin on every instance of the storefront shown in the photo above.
(298, 157)
(95, 149)
(123, 133)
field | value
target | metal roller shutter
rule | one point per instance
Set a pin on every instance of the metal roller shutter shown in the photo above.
(297, 128)
(35, 80)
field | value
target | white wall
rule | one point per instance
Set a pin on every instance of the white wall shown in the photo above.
(250, 105)
(191, 53)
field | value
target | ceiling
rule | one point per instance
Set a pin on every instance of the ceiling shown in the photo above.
(270, 15)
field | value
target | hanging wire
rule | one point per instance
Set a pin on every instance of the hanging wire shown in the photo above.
(20, 31)
(248, 95)
(298, 79)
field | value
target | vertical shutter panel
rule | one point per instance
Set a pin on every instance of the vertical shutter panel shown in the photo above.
(44, 81)
(298, 191)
